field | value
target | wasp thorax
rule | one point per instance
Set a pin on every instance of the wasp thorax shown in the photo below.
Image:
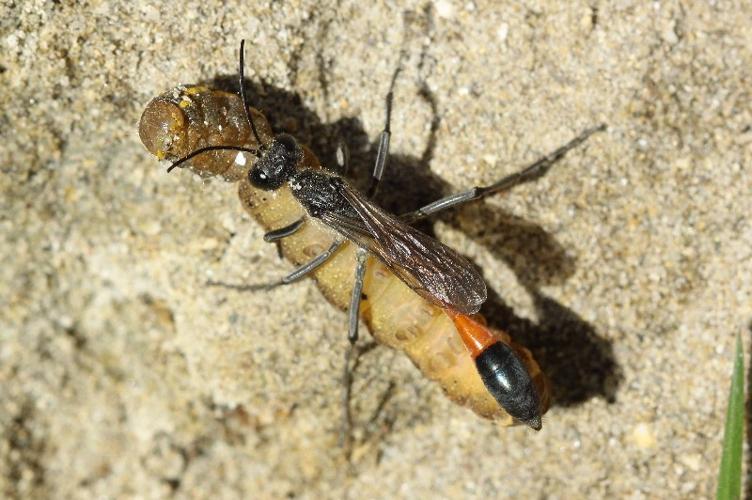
(276, 163)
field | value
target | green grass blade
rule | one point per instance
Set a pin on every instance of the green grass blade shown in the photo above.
(730, 475)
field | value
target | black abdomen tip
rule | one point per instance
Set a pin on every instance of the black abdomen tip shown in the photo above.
(509, 382)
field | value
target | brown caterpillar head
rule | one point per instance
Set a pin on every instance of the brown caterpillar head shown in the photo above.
(163, 129)
(189, 118)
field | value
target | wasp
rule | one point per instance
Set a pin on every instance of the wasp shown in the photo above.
(413, 292)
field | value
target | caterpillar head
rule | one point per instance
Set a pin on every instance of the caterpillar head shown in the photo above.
(191, 118)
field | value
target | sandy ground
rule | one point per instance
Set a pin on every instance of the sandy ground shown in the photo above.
(627, 269)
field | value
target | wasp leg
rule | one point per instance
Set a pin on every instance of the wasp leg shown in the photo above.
(283, 232)
(382, 154)
(531, 172)
(352, 338)
(297, 274)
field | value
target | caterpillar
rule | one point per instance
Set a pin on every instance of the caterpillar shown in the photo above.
(209, 132)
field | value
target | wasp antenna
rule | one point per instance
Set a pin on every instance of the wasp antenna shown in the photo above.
(243, 96)
(199, 151)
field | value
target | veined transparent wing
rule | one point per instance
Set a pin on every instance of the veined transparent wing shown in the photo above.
(432, 269)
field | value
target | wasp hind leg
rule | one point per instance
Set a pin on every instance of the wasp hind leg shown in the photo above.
(298, 274)
(352, 338)
(530, 173)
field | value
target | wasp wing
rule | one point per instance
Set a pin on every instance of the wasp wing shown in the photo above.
(435, 271)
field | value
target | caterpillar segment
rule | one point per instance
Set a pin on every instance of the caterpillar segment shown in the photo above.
(190, 117)
(443, 344)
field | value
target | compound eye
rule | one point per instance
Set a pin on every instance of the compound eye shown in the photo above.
(263, 180)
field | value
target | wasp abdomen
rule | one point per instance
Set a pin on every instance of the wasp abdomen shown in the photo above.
(508, 381)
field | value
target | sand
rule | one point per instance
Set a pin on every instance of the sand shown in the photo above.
(627, 269)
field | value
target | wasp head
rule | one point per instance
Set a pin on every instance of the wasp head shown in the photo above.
(276, 163)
